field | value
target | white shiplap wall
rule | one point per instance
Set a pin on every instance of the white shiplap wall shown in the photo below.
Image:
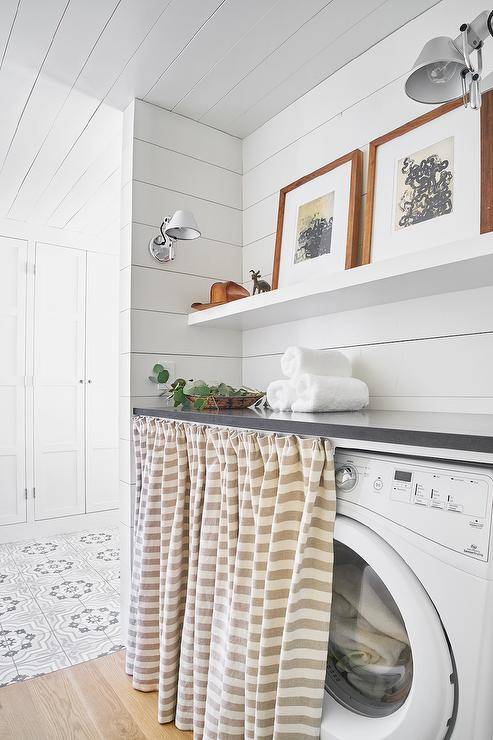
(433, 353)
(170, 162)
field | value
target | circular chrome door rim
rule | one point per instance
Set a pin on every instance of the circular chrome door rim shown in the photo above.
(430, 701)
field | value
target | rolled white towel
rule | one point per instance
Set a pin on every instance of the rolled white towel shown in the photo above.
(322, 393)
(298, 360)
(280, 395)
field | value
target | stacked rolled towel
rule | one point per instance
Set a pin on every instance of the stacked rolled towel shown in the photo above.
(317, 381)
(327, 393)
(281, 394)
(299, 360)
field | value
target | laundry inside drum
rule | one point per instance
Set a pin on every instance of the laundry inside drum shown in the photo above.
(369, 663)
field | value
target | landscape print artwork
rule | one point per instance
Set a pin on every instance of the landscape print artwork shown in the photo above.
(424, 184)
(314, 228)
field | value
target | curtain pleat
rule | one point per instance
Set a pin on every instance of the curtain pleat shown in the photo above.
(232, 578)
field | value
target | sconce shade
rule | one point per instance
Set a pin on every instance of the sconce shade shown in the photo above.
(436, 75)
(182, 225)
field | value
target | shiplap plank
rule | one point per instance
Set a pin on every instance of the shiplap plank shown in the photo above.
(180, 134)
(259, 256)
(90, 147)
(102, 208)
(33, 201)
(172, 30)
(232, 20)
(8, 12)
(129, 26)
(89, 182)
(34, 30)
(159, 166)
(199, 257)
(153, 332)
(126, 205)
(125, 288)
(71, 48)
(125, 332)
(376, 24)
(465, 312)
(210, 369)
(316, 34)
(285, 18)
(260, 220)
(160, 290)
(152, 204)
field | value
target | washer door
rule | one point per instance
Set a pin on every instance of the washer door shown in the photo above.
(389, 666)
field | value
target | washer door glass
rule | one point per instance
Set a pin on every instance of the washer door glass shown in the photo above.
(370, 663)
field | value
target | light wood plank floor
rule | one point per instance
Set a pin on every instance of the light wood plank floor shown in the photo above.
(91, 700)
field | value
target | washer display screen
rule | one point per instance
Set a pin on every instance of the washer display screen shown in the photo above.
(403, 475)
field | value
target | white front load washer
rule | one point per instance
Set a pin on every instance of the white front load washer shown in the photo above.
(411, 635)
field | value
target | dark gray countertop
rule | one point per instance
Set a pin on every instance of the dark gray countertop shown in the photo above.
(467, 432)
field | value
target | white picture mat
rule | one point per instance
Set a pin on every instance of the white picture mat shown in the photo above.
(338, 180)
(463, 222)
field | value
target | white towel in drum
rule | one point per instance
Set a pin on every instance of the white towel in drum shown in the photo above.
(320, 393)
(360, 589)
(362, 644)
(280, 395)
(298, 360)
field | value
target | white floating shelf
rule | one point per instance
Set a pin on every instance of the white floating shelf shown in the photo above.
(442, 269)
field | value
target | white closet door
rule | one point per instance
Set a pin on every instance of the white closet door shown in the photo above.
(102, 382)
(13, 277)
(59, 388)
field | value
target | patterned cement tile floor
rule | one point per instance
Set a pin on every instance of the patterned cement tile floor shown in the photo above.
(59, 602)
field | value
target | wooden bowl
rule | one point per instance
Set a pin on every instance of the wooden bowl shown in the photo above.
(214, 403)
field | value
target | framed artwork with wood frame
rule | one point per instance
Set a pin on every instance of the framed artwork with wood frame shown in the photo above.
(430, 182)
(318, 222)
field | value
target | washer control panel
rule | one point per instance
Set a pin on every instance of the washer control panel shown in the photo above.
(449, 504)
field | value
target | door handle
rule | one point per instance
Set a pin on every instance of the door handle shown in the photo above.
(81, 381)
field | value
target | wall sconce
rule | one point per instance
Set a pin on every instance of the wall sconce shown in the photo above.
(444, 70)
(181, 225)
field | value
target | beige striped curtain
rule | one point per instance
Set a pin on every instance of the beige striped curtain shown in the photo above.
(232, 578)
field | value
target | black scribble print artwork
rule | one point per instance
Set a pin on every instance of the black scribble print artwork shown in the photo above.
(425, 185)
(314, 228)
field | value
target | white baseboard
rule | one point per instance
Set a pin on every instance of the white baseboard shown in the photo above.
(61, 525)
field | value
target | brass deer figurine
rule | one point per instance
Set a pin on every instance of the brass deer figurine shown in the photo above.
(259, 286)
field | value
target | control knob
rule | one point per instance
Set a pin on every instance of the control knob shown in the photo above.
(346, 477)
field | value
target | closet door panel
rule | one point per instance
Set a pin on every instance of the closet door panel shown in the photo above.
(59, 389)
(13, 279)
(102, 478)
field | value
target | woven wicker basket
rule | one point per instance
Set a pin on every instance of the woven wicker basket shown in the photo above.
(214, 403)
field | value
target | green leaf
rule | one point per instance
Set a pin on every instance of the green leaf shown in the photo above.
(163, 376)
(224, 389)
(152, 378)
(185, 404)
(200, 390)
(199, 403)
(192, 385)
(157, 369)
(178, 398)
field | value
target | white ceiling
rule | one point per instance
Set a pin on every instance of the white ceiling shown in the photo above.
(68, 67)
